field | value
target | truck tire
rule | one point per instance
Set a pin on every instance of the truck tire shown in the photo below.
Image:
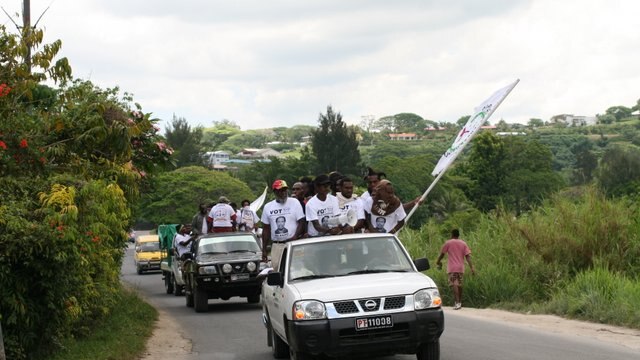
(200, 300)
(294, 355)
(429, 351)
(279, 348)
(177, 289)
(139, 270)
(168, 283)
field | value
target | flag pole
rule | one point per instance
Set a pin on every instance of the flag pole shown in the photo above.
(485, 118)
(424, 196)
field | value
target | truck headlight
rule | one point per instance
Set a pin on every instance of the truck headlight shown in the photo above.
(226, 268)
(427, 298)
(207, 270)
(251, 266)
(309, 310)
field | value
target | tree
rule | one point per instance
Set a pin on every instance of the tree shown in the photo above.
(529, 175)
(535, 122)
(221, 131)
(586, 162)
(619, 112)
(619, 170)
(334, 145)
(408, 122)
(185, 141)
(463, 120)
(502, 125)
(176, 194)
(485, 167)
(71, 162)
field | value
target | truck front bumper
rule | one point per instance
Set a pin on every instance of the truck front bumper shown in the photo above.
(339, 337)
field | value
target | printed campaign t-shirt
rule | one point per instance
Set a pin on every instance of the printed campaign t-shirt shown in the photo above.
(321, 211)
(282, 218)
(387, 222)
(222, 215)
(356, 205)
(247, 217)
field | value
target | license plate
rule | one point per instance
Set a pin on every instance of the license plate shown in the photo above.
(238, 277)
(374, 322)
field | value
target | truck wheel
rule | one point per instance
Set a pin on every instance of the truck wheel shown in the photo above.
(429, 351)
(253, 299)
(294, 355)
(200, 300)
(139, 270)
(168, 284)
(280, 348)
(177, 289)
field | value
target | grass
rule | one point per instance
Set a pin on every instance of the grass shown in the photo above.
(573, 257)
(122, 336)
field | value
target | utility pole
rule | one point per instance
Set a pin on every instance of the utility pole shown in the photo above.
(26, 31)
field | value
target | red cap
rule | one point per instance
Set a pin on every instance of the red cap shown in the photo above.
(279, 184)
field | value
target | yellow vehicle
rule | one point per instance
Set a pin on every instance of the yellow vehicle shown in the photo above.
(147, 255)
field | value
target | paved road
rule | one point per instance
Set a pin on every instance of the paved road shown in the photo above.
(233, 330)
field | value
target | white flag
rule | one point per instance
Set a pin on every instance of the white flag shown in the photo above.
(257, 203)
(480, 114)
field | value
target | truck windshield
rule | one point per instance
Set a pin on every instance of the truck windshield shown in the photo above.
(228, 244)
(150, 246)
(347, 257)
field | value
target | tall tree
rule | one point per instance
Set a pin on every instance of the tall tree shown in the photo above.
(334, 144)
(485, 168)
(185, 141)
(619, 170)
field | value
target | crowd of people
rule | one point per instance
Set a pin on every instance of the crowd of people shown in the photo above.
(319, 199)
(317, 207)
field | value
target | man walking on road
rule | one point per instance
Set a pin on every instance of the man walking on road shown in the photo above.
(457, 250)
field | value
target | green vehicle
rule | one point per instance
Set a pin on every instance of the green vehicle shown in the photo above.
(171, 270)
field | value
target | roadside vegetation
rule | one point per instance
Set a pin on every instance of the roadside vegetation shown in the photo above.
(120, 336)
(576, 255)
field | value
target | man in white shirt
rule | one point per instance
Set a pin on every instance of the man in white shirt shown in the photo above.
(182, 240)
(247, 218)
(384, 204)
(323, 205)
(282, 221)
(347, 200)
(223, 216)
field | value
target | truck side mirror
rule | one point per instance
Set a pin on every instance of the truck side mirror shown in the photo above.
(422, 264)
(275, 278)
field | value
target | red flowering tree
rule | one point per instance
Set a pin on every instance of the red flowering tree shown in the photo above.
(72, 159)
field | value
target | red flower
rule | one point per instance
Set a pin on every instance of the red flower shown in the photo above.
(3, 145)
(4, 90)
(23, 144)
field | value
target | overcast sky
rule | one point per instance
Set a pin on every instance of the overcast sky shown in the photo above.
(280, 63)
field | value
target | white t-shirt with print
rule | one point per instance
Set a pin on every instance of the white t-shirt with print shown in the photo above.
(248, 217)
(384, 223)
(321, 211)
(282, 218)
(222, 214)
(356, 205)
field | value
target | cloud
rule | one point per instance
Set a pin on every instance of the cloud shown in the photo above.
(280, 63)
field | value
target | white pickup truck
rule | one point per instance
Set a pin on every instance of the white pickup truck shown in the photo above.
(351, 295)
